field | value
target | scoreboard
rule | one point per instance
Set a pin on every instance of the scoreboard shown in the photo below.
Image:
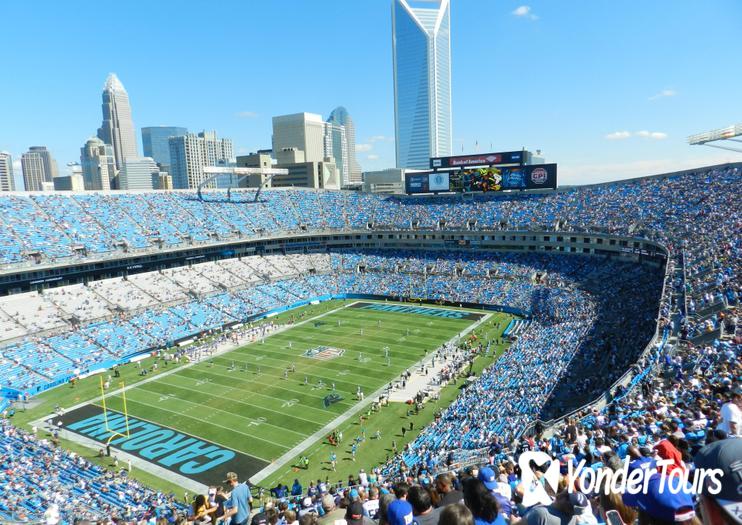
(503, 171)
(427, 182)
(500, 178)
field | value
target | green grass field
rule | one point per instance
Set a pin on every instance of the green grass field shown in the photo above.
(242, 401)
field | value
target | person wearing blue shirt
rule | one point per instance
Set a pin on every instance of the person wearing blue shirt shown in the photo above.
(237, 507)
(296, 489)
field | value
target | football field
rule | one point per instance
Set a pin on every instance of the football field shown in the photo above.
(272, 401)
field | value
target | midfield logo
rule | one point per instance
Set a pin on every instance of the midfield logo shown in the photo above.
(324, 352)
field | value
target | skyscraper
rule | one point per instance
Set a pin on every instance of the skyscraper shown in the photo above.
(190, 153)
(303, 131)
(336, 146)
(421, 52)
(138, 173)
(155, 143)
(38, 167)
(341, 117)
(117, 129)
(7, 183)
(98, 165)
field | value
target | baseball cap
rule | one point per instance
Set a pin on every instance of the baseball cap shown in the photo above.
(399, 513)
(725, 455)
(487, 476)
(663, 504)
(354, 513)
(307, 502)
(354, 494)
(579, 502)
(231, 476)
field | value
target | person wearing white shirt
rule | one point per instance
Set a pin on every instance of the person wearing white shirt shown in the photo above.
(731, 416)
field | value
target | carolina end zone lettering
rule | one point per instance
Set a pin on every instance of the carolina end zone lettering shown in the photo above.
(175, 451)
(420, 310)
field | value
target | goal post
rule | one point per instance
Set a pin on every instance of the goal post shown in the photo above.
(114, 433)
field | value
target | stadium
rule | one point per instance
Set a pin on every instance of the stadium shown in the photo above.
(320, 342)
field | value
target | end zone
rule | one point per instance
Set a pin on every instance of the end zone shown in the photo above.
(181, 454)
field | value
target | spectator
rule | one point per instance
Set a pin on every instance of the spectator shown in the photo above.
(482, 503)
(724, 507)
(354, 515)
(422, 506)
(237, 507)
(203, 510)
(731, 415)
(456, 514)
(446, 490)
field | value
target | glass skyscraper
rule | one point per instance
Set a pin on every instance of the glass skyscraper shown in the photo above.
(156, 145)
(421, 48)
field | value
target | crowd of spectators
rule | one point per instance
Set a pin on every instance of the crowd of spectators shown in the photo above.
(588, 326)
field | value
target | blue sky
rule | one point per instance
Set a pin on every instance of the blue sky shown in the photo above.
(607, 89)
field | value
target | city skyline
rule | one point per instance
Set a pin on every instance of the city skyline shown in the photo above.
(606, 91)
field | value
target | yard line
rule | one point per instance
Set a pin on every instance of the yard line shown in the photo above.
(342, 418)
(278, 385)
(207, 407)
(181, 414)
(234, 400)
(41, 422)
(281, 368)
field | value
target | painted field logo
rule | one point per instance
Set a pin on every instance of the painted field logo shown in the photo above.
(324, 352)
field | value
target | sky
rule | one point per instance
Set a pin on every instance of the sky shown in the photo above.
(607, 90)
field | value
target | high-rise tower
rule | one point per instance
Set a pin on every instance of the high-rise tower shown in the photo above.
(340, 116)
(421, 48)
(117, 129)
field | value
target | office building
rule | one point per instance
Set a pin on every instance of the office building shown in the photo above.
(117, 129)
(155, 143)
(138, 173)
(261, 159)
(308, 174)
(336, 147)
(7, 182)
(340, 116)
(98, 165)
(162, 181)
(72, 182)
(421, 53)
(190, 153)
(386, 182)
(38, 167)
(303, 131)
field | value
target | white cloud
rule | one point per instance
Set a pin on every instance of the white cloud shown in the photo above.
(618, 135)
(524, 11)
(622, 135)
(372, 157)
(360, 148)
(246, 114)
(664, 93)
(380, 138)
(655, 135)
